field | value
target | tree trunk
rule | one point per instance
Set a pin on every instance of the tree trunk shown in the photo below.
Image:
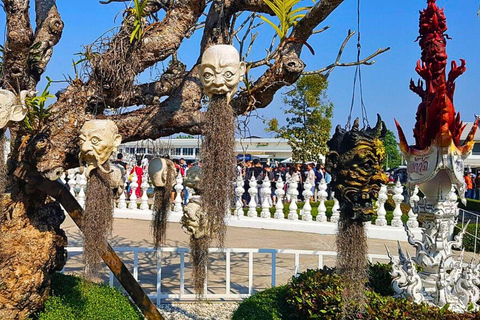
(33, 247)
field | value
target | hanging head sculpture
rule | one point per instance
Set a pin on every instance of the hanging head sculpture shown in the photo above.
(98, 140)
(12, 107)
(221, 70)
(355, 164)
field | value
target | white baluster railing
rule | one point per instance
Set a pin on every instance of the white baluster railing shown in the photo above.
(266, 192)
(292, 189)
(398, 198)
(322, 195)
(144, 186)
(133, 196)
(178, 197)
(279, 193)
(239, 190)
(381, 212)
(307, 194)
(253, 192)
(335, 210)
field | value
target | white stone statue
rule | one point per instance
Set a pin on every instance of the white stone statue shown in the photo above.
(194, 220)
(221, 70)
(12, 106)
(99, 139)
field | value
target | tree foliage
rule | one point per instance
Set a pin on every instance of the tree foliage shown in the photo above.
(391, 149)
(308, 118)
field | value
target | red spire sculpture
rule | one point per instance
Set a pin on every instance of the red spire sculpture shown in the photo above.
(436, 120)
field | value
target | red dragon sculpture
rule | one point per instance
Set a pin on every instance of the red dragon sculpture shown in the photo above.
(436, 120)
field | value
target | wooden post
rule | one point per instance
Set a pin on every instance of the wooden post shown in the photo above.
(58, 191)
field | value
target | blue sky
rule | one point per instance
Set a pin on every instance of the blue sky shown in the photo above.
(383, 24)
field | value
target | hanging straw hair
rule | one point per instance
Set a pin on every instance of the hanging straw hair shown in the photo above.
(97, 220)
(161, 206)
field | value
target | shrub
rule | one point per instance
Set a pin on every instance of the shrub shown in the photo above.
(75, 298)
(266, 305)
(316, 294)
(472, 205)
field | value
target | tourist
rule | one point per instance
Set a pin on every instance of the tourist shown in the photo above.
(257, 171)
(145, 163)
(120, 161)
(318, 179)
(468, 186)
(477, 184)
(311, 178)
(137, 168)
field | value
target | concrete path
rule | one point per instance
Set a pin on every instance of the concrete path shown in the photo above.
(136, 233)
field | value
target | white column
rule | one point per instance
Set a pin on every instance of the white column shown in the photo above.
(239, 190)
(307, 194)
(144, 186)
(322, 195)
(82, 183)
(133, 197)
(266, 192)
(279, 192)
(335, 210)
(412, 217)
(122, 204)
(178, 198)
(292, 188)
(398, 198)
(381, 212)
(252, 205)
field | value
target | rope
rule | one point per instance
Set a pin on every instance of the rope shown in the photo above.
(358, 75)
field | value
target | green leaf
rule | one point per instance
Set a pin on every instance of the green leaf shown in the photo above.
(279, 32)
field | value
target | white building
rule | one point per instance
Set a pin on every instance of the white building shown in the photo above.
(265, 149)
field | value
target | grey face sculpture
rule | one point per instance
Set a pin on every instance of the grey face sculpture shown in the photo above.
(98, 140)
(221, 70)
(12, 107)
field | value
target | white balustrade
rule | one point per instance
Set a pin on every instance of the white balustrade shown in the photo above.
(335, 210)
(253, 192)
(381, 212)
(133, 196)
(178, 197)
(292, 190)
(144, 186)
(122, 204)
(266, 192)
(307, 194)
(82, 184)
(412, 217)
(239, 190)
(322, 195)
(398, 198)
(279, 193)
(72, 182)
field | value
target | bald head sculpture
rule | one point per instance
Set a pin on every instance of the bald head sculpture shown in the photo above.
(98, 140)
(221, 70)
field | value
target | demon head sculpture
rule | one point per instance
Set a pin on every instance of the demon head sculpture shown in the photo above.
(221, 70)
(355, 164)
(98, 140)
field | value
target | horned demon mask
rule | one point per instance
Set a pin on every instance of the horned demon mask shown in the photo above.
(98, 140)
(355, 164)
(221, 70)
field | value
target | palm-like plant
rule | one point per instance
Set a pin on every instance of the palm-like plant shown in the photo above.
(288, 16)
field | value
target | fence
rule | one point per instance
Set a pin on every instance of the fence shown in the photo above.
(260, 204)
(275, 257)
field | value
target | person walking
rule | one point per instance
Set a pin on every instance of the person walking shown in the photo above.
(468, 186)
(311, 178)
(318, 179)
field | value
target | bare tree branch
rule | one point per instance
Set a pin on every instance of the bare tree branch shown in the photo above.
(19, 38)
(48, 33)
(326, 71)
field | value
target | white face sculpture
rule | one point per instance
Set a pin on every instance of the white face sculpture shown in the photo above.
(221, 70)
(12, 107)
(98, 140)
